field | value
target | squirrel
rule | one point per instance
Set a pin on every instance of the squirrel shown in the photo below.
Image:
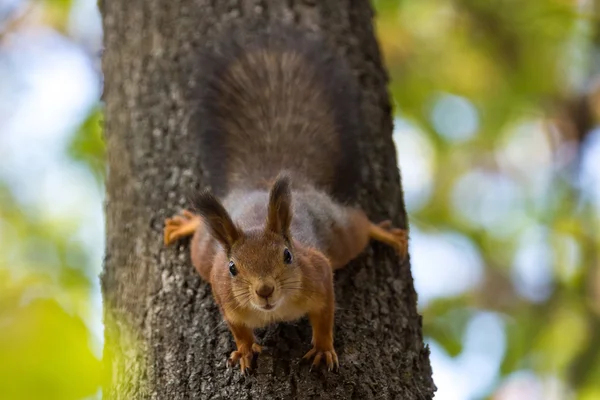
(279, 116)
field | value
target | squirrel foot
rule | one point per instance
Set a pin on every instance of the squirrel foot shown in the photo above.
(329, 356)
(245, 355)
(397, 238)
(180, 226)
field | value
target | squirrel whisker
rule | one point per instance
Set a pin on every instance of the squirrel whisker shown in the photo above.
(240, 304)
(285, 282)
(302, 289)
(240, 294)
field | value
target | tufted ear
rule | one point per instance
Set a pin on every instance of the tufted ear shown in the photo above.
(217, 219)
(279, 216)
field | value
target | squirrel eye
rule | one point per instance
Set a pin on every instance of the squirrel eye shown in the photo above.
(287, 256)
(232, 269)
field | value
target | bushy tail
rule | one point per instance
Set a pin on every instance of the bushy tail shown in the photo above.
(273, 99)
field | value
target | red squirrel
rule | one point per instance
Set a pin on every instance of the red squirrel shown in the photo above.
(279, 119)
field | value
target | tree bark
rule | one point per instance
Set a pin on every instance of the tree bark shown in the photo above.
(164, 335)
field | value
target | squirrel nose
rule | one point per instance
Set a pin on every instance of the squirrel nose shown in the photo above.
(265, 291)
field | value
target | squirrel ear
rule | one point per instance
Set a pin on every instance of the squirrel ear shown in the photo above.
(217, 219)
(279, 216)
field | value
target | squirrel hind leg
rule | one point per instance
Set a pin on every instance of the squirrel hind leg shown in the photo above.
(180, 226)
(395, 237)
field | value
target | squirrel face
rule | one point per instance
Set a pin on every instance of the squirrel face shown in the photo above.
(261, 261)
(263, 271)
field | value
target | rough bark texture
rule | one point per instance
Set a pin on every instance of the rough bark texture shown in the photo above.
(164, 335)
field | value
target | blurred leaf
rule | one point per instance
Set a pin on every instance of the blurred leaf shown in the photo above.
(45, 352)
(565, 335)
(522, 333)
(56, 13)
(504, 55)
(386, 8)
(445, 321)
(589, 393)
(87, 145)
(593, 378)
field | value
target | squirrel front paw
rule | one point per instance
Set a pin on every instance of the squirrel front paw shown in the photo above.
(245, 355)
(180, 226)
(326, 354)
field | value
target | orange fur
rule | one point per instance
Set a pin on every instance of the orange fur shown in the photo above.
(256, 249)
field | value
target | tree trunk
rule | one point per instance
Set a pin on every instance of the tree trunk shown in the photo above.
(165, 338)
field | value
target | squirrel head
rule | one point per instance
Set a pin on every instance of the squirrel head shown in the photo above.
(261, 263)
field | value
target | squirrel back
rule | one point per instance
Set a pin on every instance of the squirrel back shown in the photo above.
(278, 100)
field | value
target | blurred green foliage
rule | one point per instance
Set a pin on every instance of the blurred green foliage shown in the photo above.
(87, 146)
(511, 61)
(45, 350)
(47, 278)
(514, 61)
(44, 299)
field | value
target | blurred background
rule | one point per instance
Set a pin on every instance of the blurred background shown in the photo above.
(497, 105)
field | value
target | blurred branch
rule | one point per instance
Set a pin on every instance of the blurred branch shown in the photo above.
(584, 362)
(50, 13)
(488, 24)
(15, 20)
(578, 113)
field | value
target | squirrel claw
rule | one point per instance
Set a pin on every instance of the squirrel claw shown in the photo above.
(329, 356)
(244, 357)
(394, 237)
